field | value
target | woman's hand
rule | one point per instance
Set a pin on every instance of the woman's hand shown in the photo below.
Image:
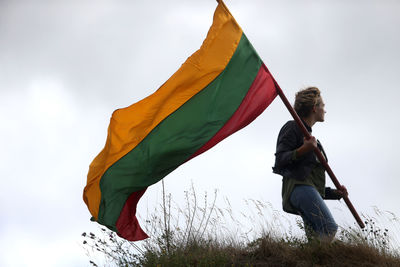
(342, 191)
(308, 145)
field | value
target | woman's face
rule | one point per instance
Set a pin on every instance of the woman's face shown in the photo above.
(320, 110)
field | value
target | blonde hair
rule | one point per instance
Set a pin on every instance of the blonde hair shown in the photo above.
(305, 100)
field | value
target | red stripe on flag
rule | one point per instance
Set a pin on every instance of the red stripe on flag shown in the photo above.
(260, 95)
(127, 224)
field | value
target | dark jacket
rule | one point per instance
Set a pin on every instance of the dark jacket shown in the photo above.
(290, 138)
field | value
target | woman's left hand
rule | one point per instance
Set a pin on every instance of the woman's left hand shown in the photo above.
(342, 191)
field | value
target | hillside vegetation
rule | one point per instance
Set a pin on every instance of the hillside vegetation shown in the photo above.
(205, 235)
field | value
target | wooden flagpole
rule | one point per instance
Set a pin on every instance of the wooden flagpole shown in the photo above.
(316, 150)
(318, 153)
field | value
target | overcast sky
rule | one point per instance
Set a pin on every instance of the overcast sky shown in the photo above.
(65, 66)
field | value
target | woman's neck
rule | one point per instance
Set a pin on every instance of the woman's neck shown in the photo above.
(309, 120)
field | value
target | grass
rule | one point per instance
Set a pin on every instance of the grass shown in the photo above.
(202, 234)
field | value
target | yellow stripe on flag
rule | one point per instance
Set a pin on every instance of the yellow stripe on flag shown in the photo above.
(129, 126)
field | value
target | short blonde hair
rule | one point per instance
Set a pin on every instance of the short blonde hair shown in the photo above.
(305, 100)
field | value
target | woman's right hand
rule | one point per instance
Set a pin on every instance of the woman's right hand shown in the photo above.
(308, 145)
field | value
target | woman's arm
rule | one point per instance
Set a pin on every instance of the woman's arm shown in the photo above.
(286, 146)
(335, 193)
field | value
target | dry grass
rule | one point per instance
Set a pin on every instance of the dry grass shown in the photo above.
(206, 235)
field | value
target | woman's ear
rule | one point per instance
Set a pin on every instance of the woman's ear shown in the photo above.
(314, 109)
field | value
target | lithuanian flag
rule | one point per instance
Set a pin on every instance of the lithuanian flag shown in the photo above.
(220, 89)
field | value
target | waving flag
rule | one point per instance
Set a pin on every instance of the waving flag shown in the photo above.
(220, 89)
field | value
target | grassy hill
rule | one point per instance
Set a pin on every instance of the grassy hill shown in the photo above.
(265, 251)
(206, 235)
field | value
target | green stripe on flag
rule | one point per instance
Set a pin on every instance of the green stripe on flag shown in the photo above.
(180, 135)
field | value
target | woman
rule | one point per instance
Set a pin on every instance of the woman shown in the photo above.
(303, 188)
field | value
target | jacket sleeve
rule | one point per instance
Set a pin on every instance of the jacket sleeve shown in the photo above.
(331, 194)
(286, 147)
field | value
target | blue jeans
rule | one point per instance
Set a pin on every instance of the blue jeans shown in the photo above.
(311, 207)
